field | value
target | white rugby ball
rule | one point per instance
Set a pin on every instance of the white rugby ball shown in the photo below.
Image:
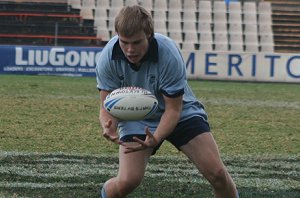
(131, 103)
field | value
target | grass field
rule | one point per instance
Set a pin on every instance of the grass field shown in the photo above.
(50, 144)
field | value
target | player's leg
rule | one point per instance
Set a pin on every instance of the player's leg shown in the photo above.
(131, 172)
(203, 152)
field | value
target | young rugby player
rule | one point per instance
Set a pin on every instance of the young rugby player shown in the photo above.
(140, 57)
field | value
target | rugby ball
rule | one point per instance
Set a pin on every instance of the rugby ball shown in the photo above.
(131, 103)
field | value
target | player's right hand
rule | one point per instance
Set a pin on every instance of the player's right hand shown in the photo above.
(110, 133)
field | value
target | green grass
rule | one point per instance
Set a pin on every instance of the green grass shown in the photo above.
(51, 144)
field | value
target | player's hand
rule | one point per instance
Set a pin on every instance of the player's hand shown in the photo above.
(150, 142)
(110, 133)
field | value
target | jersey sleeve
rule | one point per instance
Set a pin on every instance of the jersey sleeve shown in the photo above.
(173, 75)
(105, 75)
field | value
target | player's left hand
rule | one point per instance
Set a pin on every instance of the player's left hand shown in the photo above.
(150, 142)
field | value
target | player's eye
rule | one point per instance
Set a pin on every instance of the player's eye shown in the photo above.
(124, 42)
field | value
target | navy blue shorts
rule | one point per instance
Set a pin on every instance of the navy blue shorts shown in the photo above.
(182, 134)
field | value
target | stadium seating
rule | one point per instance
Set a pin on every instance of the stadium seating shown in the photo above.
(220, 27)
(76, 4)
(189, 16)
(116, 4)
(188, 46)
(236, 39)
(285, 25)
(207, 47)
(186, 21)
(159, 15)
(177, 37)
(204, 27)
(87, 13)
(104, 34)
(102, 4)
(174, 15)
(221, 41)
(205, 6)
(264, 7)
(160, 26)
(100, 24)
(189, 26)
(190, 37)
(175, 5)
(219, 17)
(91, 4)
(189, 6)
(47, 22)
(204, 17)
(147, 4)
(234, 7)
(160, 5)
(219, 6)
(262, 25)
(131, 2)
(205, 41)
(101, 13)
(174, 26)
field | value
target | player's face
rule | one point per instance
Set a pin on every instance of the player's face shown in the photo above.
(134, 47)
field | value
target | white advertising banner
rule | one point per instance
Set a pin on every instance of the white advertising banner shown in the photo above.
(265, 67)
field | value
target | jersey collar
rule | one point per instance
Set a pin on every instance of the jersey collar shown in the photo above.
(151, 55)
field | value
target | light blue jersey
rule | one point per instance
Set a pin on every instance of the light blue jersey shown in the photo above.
(162, 72)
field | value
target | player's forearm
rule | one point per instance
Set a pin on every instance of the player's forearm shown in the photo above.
(104, 117)
(167, 124)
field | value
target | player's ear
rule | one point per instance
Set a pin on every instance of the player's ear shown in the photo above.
(149, 37)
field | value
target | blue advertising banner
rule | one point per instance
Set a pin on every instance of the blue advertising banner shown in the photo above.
(43, 60)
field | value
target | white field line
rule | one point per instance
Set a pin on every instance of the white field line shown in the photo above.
(272, 173)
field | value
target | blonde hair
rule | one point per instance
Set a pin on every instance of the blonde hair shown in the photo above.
(132, 19)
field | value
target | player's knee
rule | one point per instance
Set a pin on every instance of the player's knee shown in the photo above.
(126, 186)
(219, 178)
